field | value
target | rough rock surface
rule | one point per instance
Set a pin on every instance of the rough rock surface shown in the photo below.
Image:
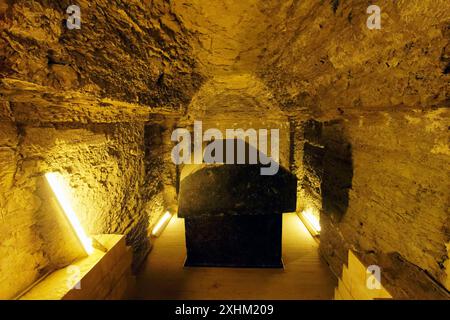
(391, 193)
(322, 59)
(388, 200)
(104, 166)
(99, 104)
(129, 51)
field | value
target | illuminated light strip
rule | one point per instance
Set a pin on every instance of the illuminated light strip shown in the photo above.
(311, 220)
(57, 185)
(161, 223)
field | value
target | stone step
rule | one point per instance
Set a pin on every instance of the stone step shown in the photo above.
(353, 282)
(101, 275)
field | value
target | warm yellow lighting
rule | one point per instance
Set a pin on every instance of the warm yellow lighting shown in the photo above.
(60, 190)
(311, 220)
(161, 223)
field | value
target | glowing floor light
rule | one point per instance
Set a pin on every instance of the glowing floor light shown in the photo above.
(311, 220)
(60, 190)
(162, 223)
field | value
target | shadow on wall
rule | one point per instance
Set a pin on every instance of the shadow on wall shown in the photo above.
(337, 169)
(328, 166)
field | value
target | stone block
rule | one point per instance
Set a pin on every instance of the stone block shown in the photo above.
(234, 241)
(96, 276)
(236, 190)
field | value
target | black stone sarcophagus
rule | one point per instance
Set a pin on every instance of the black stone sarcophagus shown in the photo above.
(233, 214)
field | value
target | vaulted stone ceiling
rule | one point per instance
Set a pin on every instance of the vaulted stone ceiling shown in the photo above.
(86, 102)
(133, 51)
(228, 35)
(323, 57)
(234, 96)
(317, 57)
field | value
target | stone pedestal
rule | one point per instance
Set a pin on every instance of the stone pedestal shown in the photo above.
(234, 241)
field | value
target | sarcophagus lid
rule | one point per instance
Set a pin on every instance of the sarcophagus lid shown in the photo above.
(235, 189)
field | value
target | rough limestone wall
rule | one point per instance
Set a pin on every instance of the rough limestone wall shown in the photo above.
(122, 49)
(321, 58)
(397, 198)
(17, 270)
(105, 167)
(296, 159)
(170, 172)
(316, 57)
(153, 189)
(309, 153)
(381, 184)
(160, 189)
(381, 96)
(137, 52)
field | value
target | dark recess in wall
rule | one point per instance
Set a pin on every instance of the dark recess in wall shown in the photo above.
(140, 244)
(328, 166)
(337, 170)
(335, 5)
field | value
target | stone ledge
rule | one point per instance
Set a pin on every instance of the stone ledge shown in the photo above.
(352, 284)
(31, 103)
(102, 275)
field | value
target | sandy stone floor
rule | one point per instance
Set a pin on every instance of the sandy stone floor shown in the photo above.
(305, 276)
